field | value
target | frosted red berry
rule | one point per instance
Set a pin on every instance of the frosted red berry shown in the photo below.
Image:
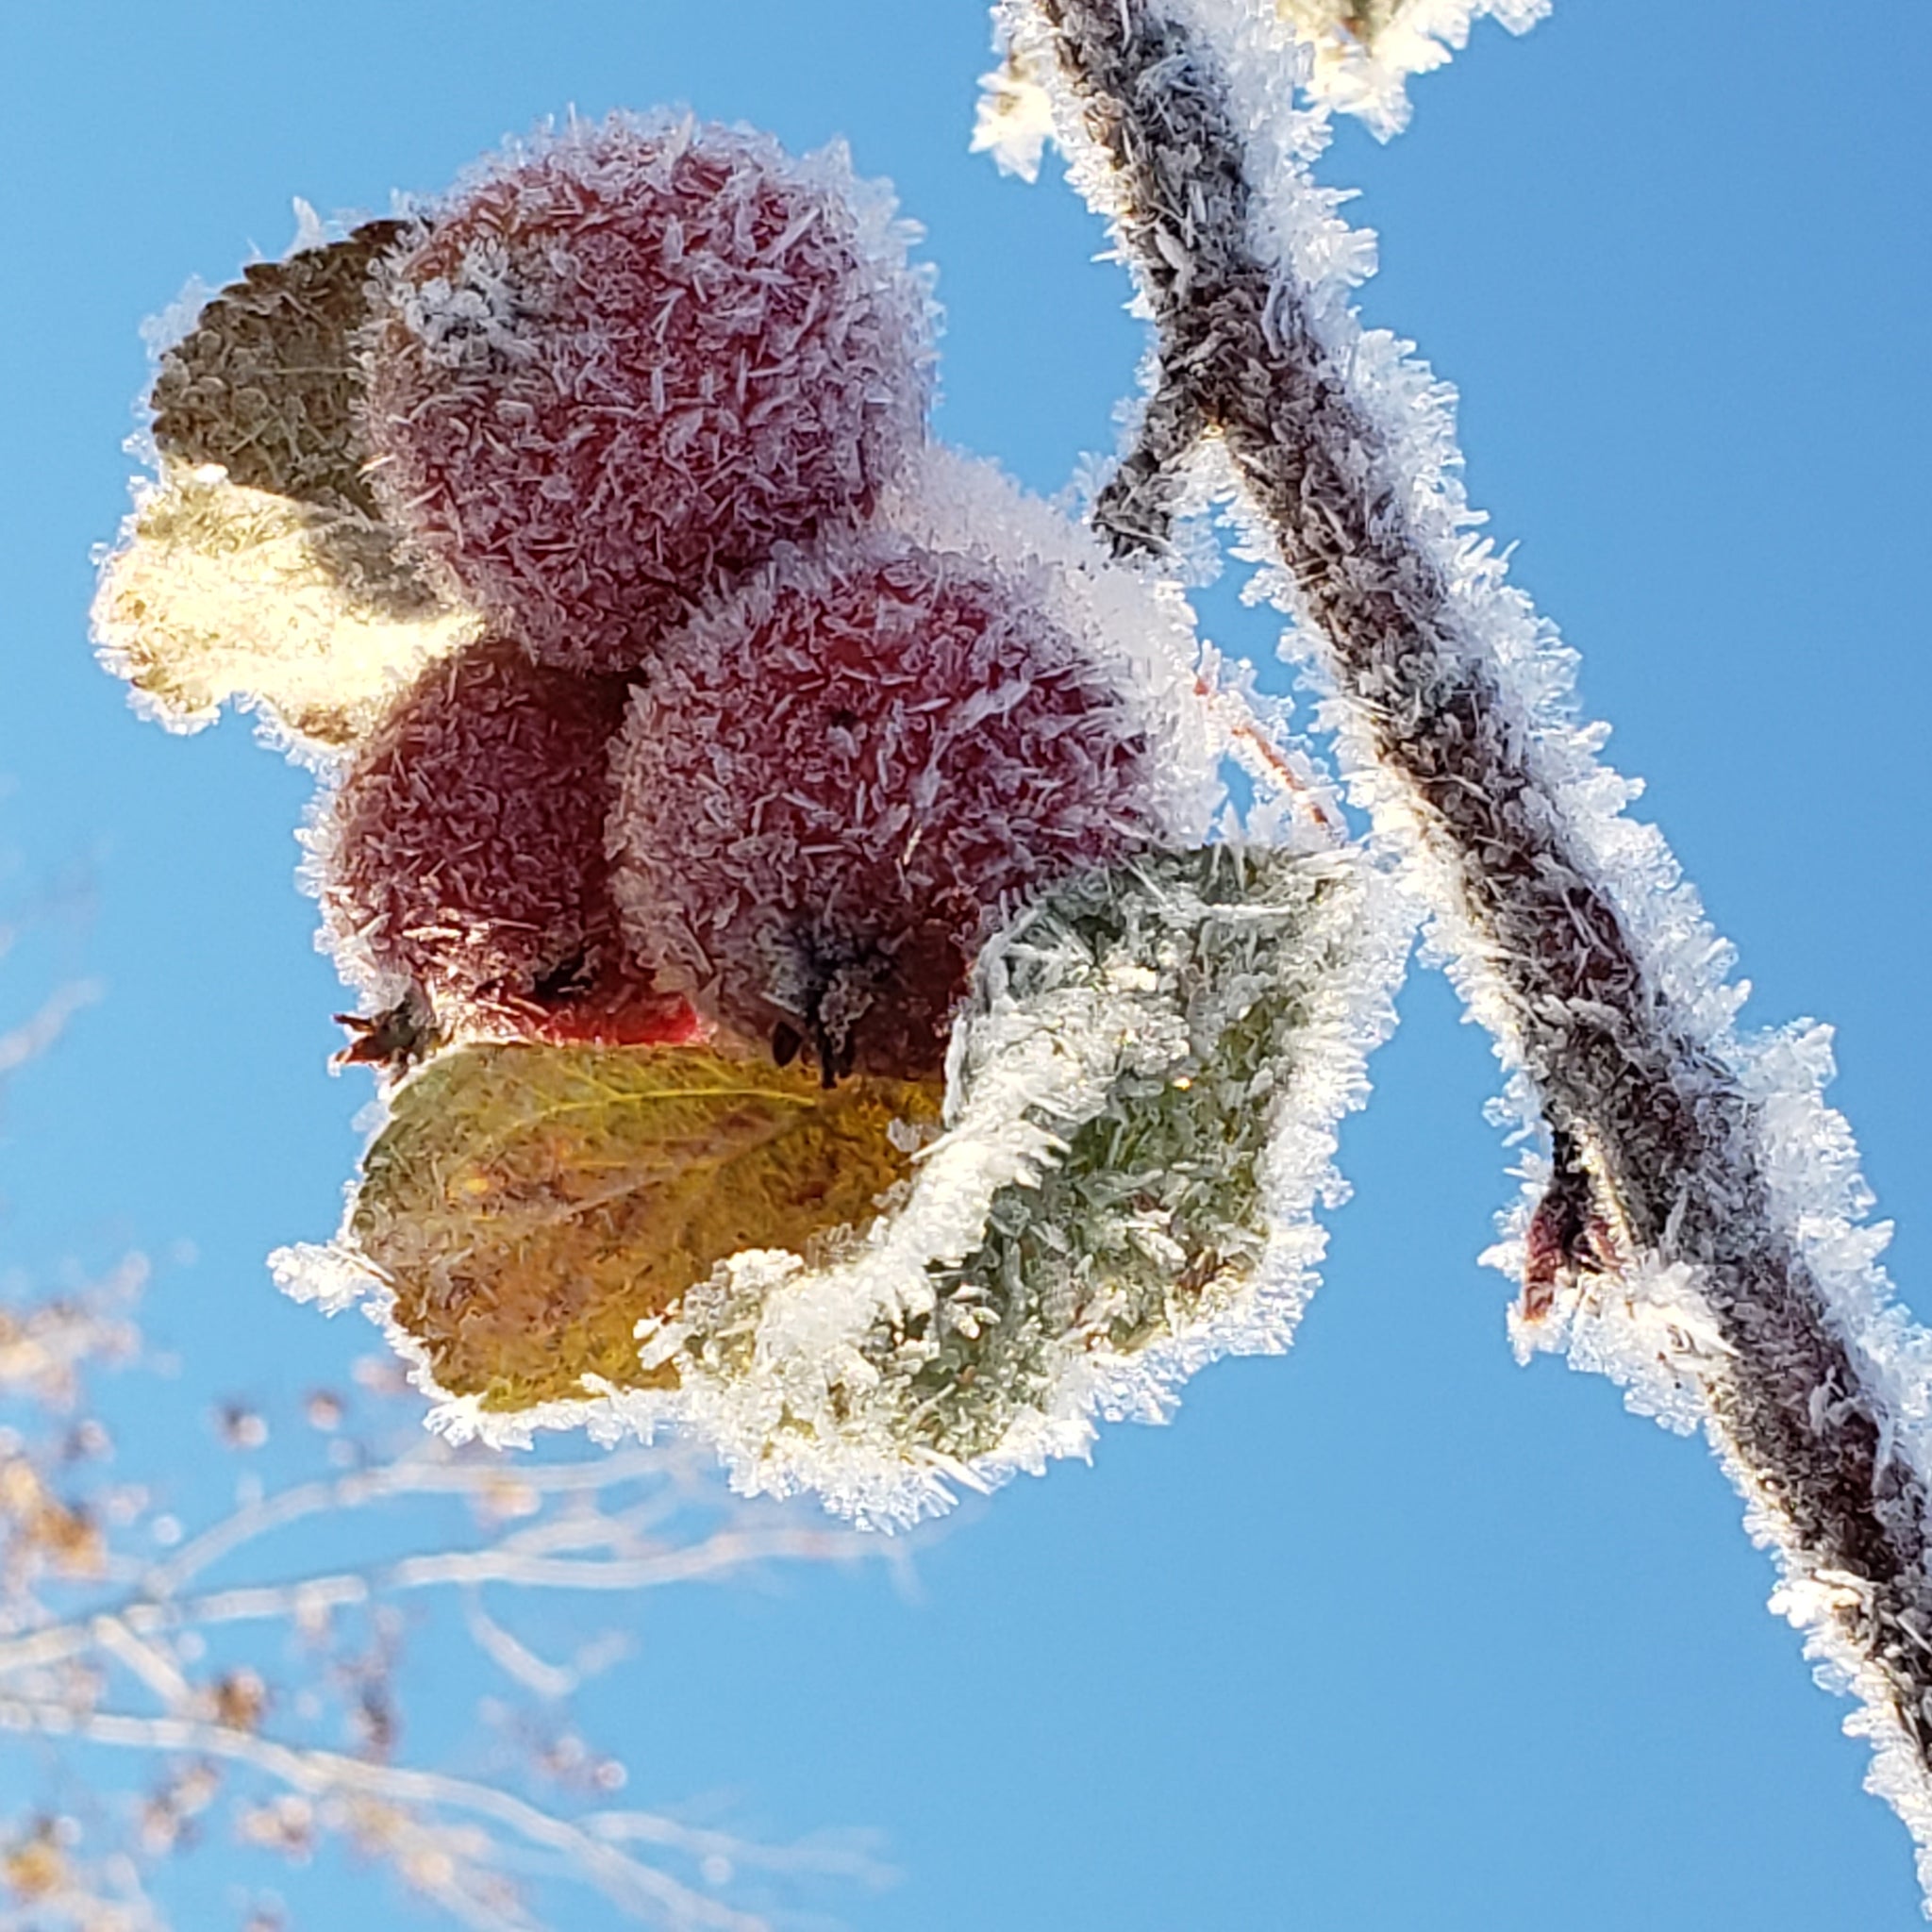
(464, 851)
(622, 366)
(830, 788)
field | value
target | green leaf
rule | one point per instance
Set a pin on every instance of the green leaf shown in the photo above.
(1158, 1210)
(529, 1205)
(1141, 1093)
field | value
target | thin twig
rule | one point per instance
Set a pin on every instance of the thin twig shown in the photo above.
(425, 1474)
(720, 1554)
(625, 1881)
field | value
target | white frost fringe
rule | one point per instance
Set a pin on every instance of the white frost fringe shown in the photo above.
(1346, 61)
(1367, 73)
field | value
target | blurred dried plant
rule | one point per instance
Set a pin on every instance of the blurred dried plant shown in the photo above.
(247, 1678)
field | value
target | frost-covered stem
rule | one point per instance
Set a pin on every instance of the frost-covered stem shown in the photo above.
(1619, 1070)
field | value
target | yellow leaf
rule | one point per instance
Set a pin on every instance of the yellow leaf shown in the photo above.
(529, 1205)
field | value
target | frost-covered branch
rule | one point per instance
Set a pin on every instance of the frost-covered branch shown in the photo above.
(1696, 1236)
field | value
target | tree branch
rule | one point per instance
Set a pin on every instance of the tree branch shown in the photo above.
(1564, 961)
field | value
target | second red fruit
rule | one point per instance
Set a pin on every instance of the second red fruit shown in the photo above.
(464, 851)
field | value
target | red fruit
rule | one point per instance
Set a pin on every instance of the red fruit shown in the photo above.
(624, 366)
(465, 851)
(830, 788)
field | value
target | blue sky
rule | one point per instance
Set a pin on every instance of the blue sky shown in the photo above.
(1388, 1632)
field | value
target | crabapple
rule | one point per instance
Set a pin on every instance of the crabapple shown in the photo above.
(832, 786)
(628, 361)
(464, 852)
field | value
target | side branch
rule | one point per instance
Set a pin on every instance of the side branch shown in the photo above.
(1135, 509)
(1630, 1081)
